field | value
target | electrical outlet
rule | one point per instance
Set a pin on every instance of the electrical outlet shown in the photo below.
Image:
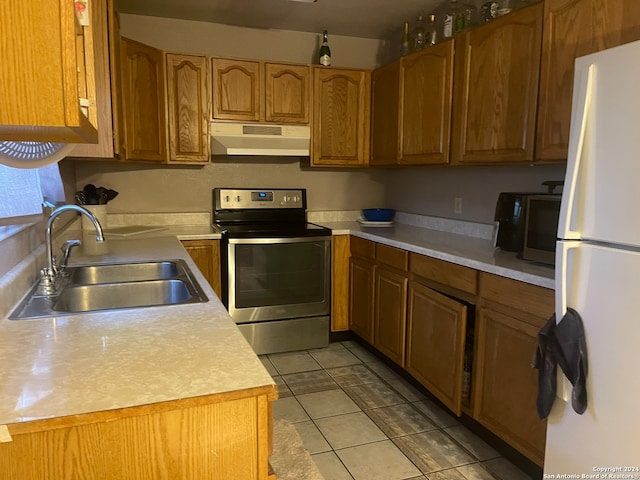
(457, 205)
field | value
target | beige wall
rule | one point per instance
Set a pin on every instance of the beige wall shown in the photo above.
(145, 188)
(431, 190)
(227, 41)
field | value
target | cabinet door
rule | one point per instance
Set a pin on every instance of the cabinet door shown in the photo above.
(145, 113)
(287, 93)
(188, 108)
(496, 89)
(206, 255)
(390, 311)
(236, 90)
(436, 343)
(42, 74)
(102, 25)
(361, 284)
(341, 117)
(426, 92)
(573, 28)
(505, 385)
(385, 104)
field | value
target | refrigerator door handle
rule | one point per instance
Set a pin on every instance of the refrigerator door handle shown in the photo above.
(582, 101)
(562, 261)
(564, 387)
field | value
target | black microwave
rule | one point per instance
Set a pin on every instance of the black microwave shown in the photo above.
(541, 228)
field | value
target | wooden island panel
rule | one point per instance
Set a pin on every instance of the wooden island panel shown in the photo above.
(217, 437)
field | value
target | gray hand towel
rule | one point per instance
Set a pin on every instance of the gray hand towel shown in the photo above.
(563, 344)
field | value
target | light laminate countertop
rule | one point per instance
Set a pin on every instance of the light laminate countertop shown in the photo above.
(464, 250)
(470, 251)
(75, 364)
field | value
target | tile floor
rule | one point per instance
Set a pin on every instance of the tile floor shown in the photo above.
(362, 421)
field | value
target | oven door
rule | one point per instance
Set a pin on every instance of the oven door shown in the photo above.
(278, 278)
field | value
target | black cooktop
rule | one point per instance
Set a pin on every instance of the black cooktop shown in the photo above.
(273, 230)
(263, 213)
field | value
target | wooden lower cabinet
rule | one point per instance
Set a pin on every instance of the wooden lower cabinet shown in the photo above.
(506, 384)
(390, 310)
(206, 255)
(431, 317)
(225, 436)
(340, 255)
(436, 332)
(361, 297)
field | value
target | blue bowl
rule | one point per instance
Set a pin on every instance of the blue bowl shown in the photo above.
(378, 214)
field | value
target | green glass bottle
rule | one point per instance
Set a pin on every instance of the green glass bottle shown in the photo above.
(405, 43)
(325, 51)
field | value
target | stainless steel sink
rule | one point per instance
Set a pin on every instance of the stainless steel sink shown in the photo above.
(125, 272)
(90, 288)
(108, 296)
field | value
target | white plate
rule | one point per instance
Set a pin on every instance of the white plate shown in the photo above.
(367, 223)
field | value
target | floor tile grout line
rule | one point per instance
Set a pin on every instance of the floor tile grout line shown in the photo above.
(364, 410)
(388, 383)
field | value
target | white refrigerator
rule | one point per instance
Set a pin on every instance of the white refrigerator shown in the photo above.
(598, 270)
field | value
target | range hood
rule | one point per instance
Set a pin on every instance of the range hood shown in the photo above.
(254, 139)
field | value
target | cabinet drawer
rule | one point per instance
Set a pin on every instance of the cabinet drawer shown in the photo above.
(362, 248)
(392, 256)
(538, 301)
(447, 273)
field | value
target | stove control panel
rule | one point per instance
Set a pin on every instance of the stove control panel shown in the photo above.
(253, 198)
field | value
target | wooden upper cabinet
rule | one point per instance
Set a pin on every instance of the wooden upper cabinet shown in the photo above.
(385, 104)
(188, 108)
(165, 104)
(47, 71)
(496, 89)
(236, 89)
(341, 103)
(106, 37)
(143, 90)
(287, 93)
(574, 28)
(426, 82)
(257, 91)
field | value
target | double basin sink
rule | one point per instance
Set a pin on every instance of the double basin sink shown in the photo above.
(100, 287)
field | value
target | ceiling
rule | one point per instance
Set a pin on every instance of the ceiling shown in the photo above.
(378, 19)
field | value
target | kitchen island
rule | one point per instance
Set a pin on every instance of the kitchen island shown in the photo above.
(171, 392)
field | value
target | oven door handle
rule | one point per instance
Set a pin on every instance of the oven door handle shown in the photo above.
(258, 241)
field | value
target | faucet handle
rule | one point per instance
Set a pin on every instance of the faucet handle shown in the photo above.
(66, 253)
(47, 285)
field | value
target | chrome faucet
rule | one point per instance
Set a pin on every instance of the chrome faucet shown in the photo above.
(52, 272)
